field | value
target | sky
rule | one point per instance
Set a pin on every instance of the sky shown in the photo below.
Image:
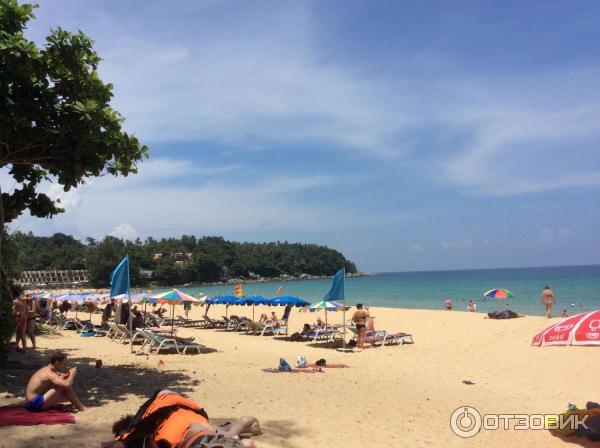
(407, 135)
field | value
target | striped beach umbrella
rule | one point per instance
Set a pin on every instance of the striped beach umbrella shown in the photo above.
(175, 297)
(498, 293)
(325, 305)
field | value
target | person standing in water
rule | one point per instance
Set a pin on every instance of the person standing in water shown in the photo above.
(547, 298)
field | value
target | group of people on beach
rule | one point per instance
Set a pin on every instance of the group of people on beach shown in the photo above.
(166, 420)
(471, 306)
(25, 312)
(546, 297)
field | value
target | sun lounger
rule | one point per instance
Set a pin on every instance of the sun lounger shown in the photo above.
(322, 334)
(128, 336)
(275, 327)
(158, 343)
(389, 338)
(153, 320)
(383, 337)
(63, 323)
(235, 323)
(114, 332)
(190, 323)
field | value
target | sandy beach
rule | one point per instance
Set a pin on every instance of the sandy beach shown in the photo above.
(390, 397)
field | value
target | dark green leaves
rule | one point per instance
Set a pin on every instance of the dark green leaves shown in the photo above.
(55, 117)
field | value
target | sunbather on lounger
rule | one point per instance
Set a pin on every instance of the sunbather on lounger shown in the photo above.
(170, 420)
(306, 329)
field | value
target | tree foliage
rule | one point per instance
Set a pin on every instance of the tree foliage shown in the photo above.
(56, 122)
(178, 260)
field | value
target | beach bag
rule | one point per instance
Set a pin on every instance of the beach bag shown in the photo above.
(284, 366)
(301, 362)
(321, 363)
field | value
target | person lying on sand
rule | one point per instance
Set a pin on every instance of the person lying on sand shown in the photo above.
(170, 420)
(504, 314)
(49, 386)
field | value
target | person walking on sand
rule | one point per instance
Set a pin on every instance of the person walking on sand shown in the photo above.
(20, 313)
(33, 312)
(360, 321)
(547, 298)
(48, 386)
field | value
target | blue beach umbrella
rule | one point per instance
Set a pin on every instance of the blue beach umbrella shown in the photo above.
(254, 300)
(223, 300)
(289, 301)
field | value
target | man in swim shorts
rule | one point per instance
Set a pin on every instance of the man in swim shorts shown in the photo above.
(48, 386)
(547, 298)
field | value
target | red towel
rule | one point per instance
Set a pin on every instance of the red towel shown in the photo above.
(18, 416)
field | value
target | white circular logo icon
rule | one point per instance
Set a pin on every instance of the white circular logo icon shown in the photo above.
(465, 421)
(595, 325)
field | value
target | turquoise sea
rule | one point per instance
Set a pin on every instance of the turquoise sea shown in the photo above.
(572, 285)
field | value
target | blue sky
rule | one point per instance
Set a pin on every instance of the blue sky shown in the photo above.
(408, 135)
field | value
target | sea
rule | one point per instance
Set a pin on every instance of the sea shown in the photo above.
(576, 289)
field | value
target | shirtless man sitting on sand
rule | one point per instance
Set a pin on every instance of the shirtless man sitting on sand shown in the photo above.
(48, 386)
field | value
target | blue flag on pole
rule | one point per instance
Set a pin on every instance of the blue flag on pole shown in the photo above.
(337, 287)
(119, 278)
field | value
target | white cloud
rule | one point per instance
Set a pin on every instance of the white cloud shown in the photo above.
(124, 231)
(561, 236)
(458, 244)
(416, 248)
(67, 199)
(271, 84)
(546, 236)
(168, 197)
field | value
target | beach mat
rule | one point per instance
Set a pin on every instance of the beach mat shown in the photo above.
(19, 416)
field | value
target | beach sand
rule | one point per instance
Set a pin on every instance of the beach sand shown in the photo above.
(389, 397)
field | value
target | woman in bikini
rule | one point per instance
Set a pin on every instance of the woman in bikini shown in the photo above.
(360, 320)
(547, 298)
(20, 313)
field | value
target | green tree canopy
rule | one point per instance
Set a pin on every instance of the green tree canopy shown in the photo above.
(56, 122)
(176, 260)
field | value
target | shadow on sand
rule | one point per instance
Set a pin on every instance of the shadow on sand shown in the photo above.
(95, 386)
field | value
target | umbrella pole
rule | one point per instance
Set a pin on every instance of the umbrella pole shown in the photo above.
(252, 312)
(172, 317)
(326, 326)
(344, 321)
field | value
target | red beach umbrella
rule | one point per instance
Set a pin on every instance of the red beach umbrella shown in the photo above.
(581, 329)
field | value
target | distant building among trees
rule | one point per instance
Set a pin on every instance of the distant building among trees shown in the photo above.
(53, 278)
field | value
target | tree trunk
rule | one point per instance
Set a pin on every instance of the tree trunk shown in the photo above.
(2, 275)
